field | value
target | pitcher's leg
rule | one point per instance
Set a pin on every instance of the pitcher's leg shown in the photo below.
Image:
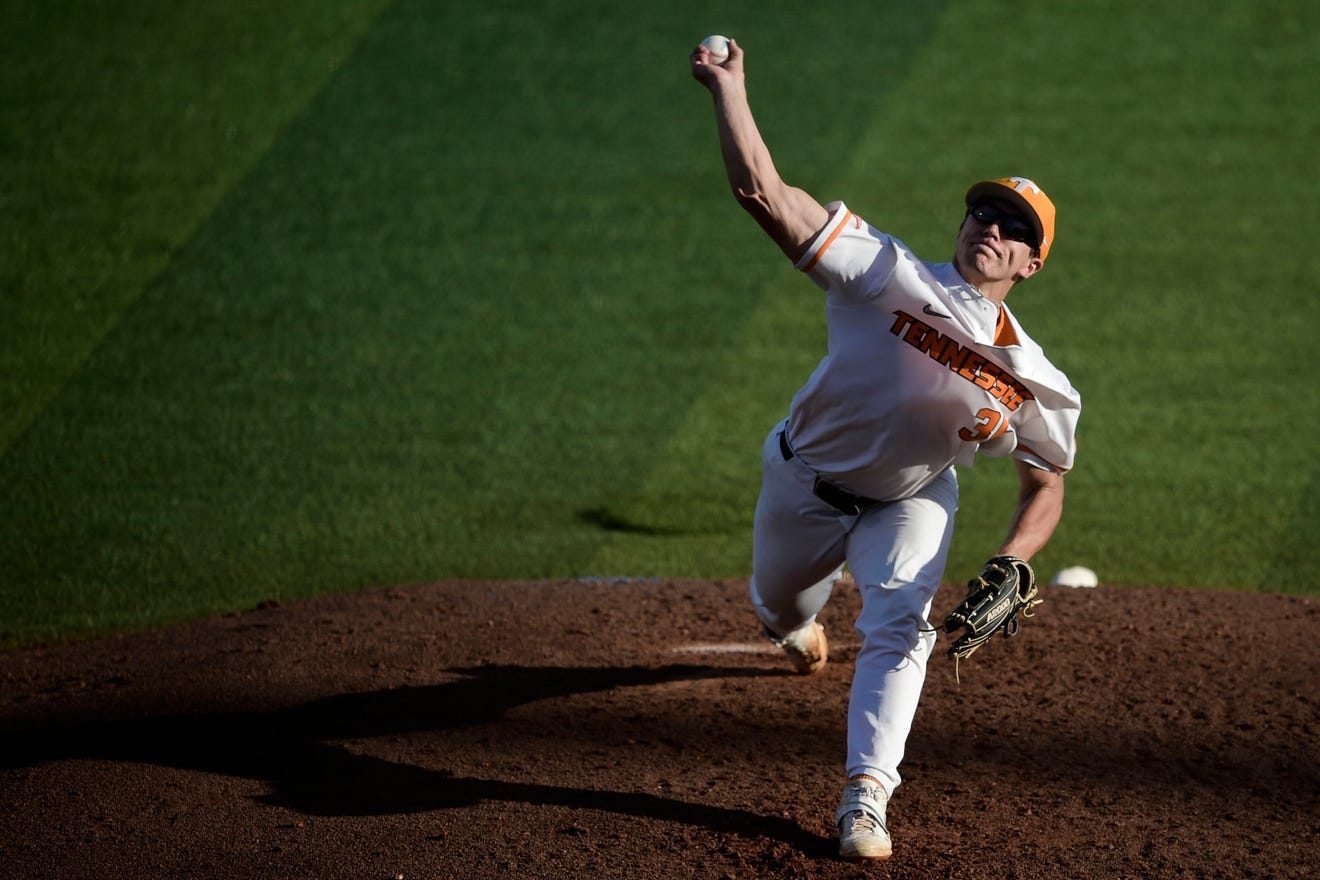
(797, 547)
(897, 555)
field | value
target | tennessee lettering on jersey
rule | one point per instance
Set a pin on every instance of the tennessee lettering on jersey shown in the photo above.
(961, 360)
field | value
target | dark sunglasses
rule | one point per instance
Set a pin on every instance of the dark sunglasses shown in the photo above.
(1010, 225)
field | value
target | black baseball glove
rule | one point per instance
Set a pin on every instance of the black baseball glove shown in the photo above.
(1005, 587)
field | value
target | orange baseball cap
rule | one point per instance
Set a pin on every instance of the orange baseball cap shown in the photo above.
(1024, 193)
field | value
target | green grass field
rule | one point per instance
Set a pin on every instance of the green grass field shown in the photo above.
(300, 301)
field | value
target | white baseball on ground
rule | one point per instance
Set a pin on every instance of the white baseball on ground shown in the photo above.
(718, 46)
(1075, 576)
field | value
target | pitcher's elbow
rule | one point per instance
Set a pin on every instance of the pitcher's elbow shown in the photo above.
(752, 200)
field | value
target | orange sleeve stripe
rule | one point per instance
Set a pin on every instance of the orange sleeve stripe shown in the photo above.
(826, 244)
(1057, 469)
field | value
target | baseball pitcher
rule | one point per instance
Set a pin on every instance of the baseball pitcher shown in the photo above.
(926, 367)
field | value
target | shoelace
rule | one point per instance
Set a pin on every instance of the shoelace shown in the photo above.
(863, 822)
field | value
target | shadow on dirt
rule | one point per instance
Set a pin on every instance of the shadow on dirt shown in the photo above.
(294, 749)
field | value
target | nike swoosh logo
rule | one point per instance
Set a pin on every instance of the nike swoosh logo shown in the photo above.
(934, 314)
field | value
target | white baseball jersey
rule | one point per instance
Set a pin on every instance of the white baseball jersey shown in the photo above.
(922, 372)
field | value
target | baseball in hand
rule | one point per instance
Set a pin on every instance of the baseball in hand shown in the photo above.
(719, 48)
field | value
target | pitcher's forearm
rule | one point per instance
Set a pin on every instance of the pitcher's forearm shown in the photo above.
(1039, 510)
(789, 215)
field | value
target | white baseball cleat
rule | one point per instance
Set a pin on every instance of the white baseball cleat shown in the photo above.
(806, 647)
(861, 822)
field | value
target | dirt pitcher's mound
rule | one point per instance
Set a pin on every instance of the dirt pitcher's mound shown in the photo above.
(640, 729)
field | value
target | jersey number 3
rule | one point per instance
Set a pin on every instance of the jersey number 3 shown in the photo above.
(990, 423)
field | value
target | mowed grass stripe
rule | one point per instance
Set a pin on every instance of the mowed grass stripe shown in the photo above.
(125, 127)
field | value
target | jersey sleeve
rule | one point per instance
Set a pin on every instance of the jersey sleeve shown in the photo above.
(1047, 437)
(849, 257)
(1046, 427)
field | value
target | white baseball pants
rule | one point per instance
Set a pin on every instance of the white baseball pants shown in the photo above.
(896, 552)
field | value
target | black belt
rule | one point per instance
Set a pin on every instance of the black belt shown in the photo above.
(839, 498)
